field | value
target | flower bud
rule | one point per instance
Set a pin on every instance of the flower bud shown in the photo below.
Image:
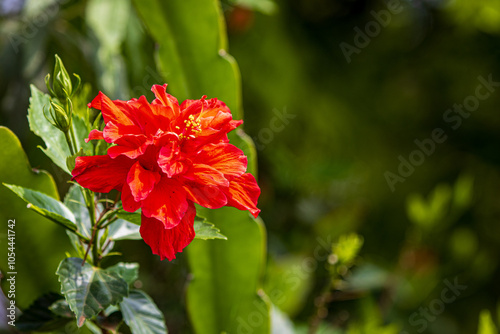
(62, 87)
(62, 81)
(59, 115)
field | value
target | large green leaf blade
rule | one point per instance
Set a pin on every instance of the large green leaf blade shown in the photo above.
(89, 290)
(193, 56)
(41, 242)
(223, 294)
(108, 19)
(141, 314)
(46, 206)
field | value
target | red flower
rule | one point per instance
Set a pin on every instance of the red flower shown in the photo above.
(166, 157)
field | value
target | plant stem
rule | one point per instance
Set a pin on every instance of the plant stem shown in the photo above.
(95, 228)
(109, 222)
(69, 141)
(73, 137)
(94, 242)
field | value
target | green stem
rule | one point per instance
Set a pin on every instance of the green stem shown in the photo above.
(109, 222)
(95, 229)
(73, 137)
(69, 141)
(109, 215)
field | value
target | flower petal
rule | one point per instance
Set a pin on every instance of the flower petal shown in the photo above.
(170, 160)
(224, 157)
(141, 181)
(243, 193)
(151, 117)
(205, 175)
(111, 112)
(167, 242)
(94, 135)
(113, 132)
(206, 196)
(100, 173)
(128, 202)
(162, 97)
(167, 202)
(129, 152)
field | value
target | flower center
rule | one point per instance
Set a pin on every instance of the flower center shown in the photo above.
(191, 129)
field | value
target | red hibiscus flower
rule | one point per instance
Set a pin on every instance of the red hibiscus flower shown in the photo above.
(165, 158)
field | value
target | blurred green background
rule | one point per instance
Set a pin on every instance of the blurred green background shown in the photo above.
(331, 133)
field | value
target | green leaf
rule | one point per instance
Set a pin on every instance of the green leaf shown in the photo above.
(75, 202)
(40, 317)
(205, 230)
(88, 289)
(56, 147)
(61, 308)
(129, 272)
(111, 31)
(81, 133)
(39, 241)
(133, 217)
(226, 276)
(108, 19)
(193, 56)
(347, 248)
(486, 325)
(46, 206)
(141, 314)
(124, 230)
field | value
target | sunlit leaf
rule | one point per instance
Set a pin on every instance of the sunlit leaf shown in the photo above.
(193, 57)
(108, 20)
(124, 230)
(206, 230)
(75, 202)
(133, 217)
(141, 314)
(46, 206)
(129, 272)
(36, 243)
(226, 273)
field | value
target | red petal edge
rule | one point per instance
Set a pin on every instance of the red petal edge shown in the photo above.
(168, 242)
(100, 173)
(243, 194)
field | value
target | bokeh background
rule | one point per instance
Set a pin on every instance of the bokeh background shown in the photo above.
(334, 109)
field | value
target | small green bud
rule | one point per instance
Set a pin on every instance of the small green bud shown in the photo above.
(62, 81)
(59, 115)
(61, 87)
